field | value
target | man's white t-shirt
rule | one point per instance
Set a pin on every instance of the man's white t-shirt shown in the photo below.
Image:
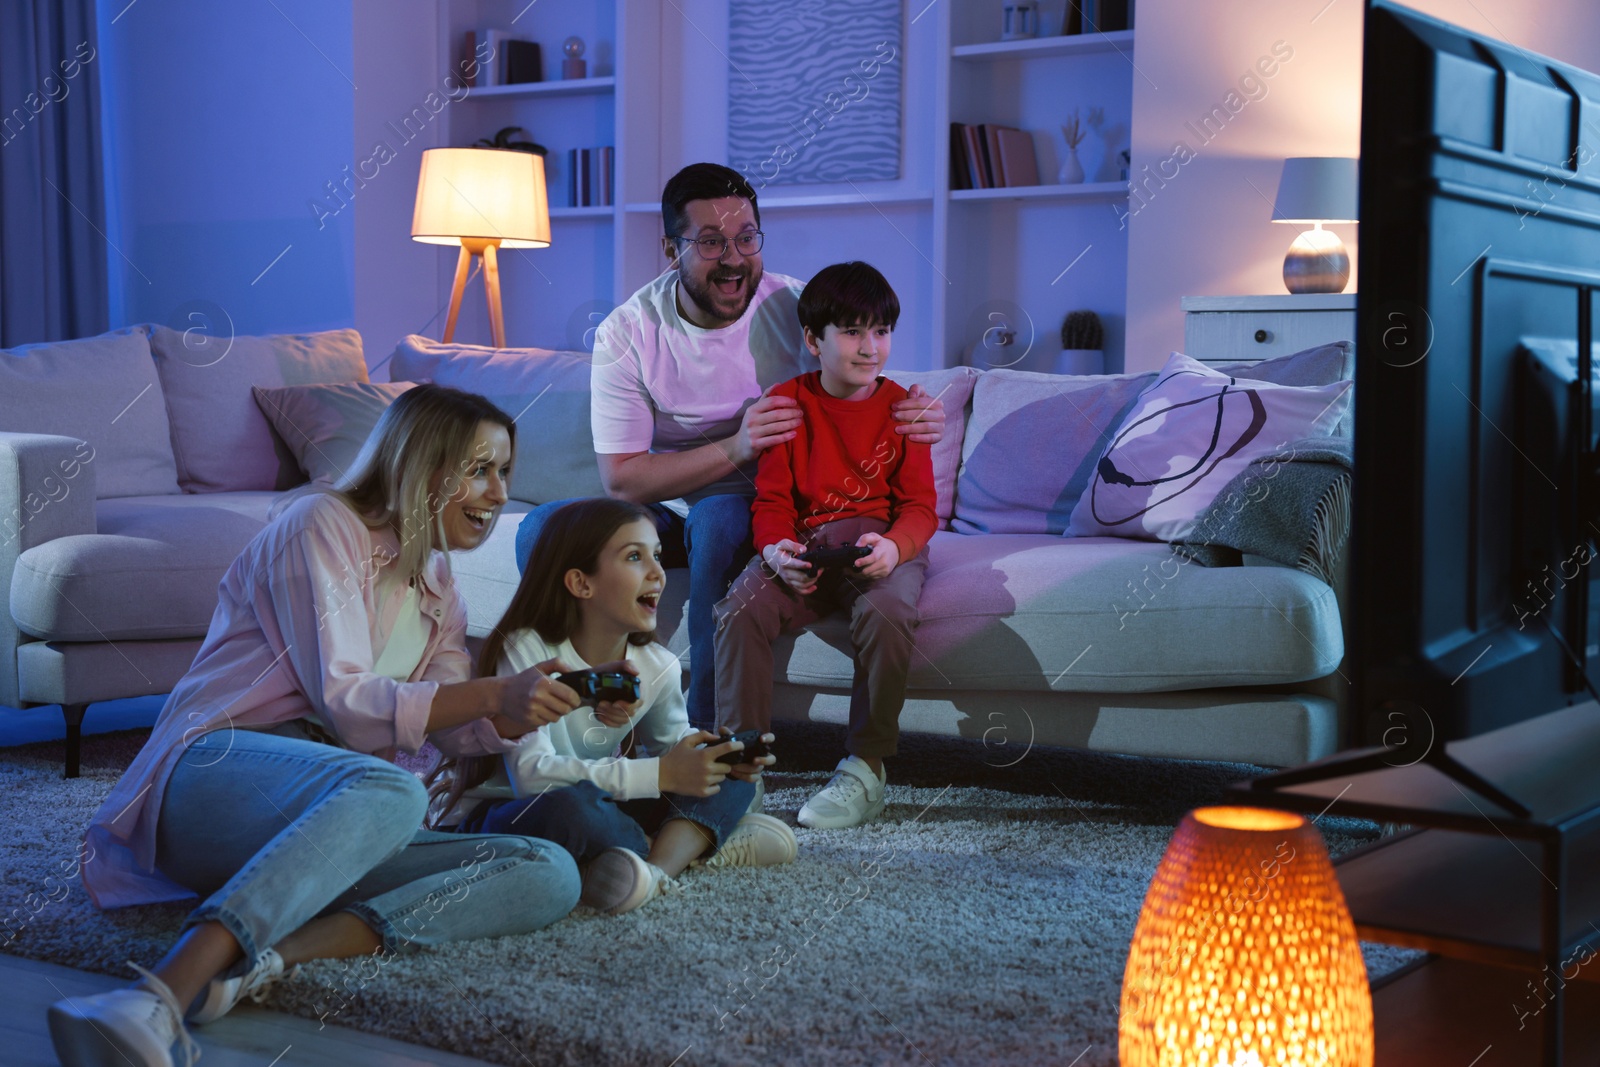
(660, 383)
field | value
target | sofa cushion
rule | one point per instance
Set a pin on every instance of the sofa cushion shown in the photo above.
(1322, 365)
(546, 392)
(151, 571)
(954, 388)
(220, 439)
(1031, 444)
(102, 390)
(1109, 615)
(1189, 434)
(326, 425)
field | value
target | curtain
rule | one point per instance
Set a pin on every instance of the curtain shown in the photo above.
(53, 282)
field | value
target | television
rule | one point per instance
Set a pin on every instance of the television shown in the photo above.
(1474, 513)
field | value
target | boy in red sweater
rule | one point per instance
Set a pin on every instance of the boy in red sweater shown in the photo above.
(845, 479)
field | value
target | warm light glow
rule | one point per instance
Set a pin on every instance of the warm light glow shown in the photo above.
(1245, 955)
(483, 193)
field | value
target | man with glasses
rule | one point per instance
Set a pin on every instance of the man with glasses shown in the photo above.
(678, 395)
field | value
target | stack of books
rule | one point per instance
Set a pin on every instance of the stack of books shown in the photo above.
(589, 177)
(987, 156)
(497, 58)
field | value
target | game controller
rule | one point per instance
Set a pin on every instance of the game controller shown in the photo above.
(834, 555)
(595, 687)
(754, 748)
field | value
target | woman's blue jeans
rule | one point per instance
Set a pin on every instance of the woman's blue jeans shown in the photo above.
(714, 542)
(586, 820)
(275, 831)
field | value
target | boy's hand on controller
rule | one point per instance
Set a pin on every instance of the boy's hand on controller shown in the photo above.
(771, 420)
(694, 772)
(615, 713)
(783, 560)
(532, 698)
(749, 772)
(920, 416)
(885, 555)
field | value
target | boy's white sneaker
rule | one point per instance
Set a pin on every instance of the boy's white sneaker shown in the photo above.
(222, 995)
(123, 1028)
(619, 880)
(758, 841)
(853, 796)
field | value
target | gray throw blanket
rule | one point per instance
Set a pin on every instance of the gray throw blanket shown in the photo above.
(1292, 506)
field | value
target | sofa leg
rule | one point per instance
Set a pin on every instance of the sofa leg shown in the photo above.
(73, 713)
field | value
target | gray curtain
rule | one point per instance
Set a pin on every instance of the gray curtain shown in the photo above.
(52, 192)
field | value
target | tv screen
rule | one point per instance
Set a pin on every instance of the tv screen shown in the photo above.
(1474, 504)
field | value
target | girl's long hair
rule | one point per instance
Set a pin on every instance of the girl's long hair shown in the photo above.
(573, 536)
(427, 429)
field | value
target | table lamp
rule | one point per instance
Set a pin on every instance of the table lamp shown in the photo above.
(1316, 190)
(1244, 954)
(482, 199)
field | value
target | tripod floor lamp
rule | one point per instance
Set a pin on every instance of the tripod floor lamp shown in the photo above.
(483, 199)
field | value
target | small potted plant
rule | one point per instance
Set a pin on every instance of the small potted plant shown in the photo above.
(1074, 133)
(1082, 344)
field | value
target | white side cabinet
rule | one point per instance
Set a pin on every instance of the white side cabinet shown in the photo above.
(1223, 329)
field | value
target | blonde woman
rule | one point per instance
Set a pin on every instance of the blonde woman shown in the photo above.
(266, 787)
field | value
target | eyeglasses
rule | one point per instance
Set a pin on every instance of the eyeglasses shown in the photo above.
(748, 243)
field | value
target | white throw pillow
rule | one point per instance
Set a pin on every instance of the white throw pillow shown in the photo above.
(1186, 437)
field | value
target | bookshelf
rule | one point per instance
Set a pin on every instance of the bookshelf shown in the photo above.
(952, 254)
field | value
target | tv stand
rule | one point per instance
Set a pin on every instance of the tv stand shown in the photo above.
(1497, 877)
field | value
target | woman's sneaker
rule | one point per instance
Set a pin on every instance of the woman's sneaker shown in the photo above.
(222, 995)
(853, 796)
(619, 880)
(758, 841)
(123, 1028)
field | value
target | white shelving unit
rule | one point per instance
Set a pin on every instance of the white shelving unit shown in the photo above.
(954, 256)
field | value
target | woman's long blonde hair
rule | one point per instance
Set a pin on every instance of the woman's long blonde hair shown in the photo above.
(427, 429)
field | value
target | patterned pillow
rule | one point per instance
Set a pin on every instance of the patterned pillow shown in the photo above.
(1186, 437)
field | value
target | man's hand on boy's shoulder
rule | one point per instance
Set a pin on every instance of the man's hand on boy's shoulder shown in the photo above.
(771, 420)
(884, 559)
(921, 417)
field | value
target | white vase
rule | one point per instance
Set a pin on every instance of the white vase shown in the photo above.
(1080, 361)
(1071, 169)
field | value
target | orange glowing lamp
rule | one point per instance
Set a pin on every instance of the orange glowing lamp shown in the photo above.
(1245, 955)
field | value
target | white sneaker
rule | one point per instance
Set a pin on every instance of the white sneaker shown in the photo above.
(123, 1028)
(853, 796)
(222, 995)
(619, 880)
(758, 841)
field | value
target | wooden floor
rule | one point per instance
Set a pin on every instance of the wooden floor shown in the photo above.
(248, 1037)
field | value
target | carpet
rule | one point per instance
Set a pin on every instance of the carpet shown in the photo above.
(984, 918)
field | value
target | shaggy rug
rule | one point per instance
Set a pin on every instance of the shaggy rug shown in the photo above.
(984, 918)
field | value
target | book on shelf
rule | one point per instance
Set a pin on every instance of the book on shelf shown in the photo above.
(990, 156)
(497, 45)
(589, 176)
(1017, 158)
(523, 63)
(959, 177)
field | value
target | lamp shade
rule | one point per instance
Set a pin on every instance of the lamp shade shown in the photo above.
(1244, 954)
(482, 193)
(1316, 189)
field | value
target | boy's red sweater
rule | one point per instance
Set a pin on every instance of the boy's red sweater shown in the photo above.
(845, 461)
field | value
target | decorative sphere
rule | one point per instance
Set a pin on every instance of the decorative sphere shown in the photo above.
(573, 47)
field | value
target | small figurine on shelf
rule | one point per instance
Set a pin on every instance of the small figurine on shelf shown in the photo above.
(1019, 20)
(1082, 341)
(573, 66)
(1071, 169)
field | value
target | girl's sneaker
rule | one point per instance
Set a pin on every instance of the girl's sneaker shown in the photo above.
(123, 1028)
(222, 995)
(619, 880)
(853, 796)
(758, 841)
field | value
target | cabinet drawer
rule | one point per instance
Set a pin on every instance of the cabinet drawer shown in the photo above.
(1224, 336)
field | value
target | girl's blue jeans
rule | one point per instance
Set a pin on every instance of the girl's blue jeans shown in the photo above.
(274, 831)
(586, 820)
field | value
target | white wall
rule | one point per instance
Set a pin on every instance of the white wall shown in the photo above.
(1206, 231)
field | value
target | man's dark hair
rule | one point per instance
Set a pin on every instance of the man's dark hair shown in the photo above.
(701, 181)
(848, 294)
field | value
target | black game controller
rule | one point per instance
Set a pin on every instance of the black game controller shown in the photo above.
(834, 556)
(594, 687)
(754, 748)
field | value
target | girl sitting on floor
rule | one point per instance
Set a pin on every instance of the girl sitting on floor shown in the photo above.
(589, 597)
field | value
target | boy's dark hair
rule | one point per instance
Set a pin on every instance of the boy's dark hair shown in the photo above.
(702, 181)
(572, 537)
(848, 294)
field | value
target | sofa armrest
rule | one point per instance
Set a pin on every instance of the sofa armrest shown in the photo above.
(47, 491)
